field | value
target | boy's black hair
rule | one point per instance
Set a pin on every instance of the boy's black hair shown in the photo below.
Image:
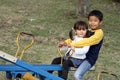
(96, 13)
(79, 25)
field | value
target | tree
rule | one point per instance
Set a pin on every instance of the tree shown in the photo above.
(83, 7)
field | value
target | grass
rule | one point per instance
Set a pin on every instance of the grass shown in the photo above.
(50, 21)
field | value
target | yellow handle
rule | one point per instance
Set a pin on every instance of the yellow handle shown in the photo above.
(18, 45)
(103, 72)
(29, 76)
(60, 54)
(98, 76)
(69, 55)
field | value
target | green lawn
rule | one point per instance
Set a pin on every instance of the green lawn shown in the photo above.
(50, 22)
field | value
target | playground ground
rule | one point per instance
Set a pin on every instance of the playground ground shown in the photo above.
(50, 21)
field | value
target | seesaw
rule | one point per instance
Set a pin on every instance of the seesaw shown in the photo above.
(19, 67)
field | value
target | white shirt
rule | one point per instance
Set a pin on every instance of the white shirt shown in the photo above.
(79, 53)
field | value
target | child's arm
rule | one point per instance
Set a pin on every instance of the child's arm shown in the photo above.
(82, 50)
(94, 39)
(68, 41)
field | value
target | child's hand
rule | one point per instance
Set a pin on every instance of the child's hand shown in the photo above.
(72, 48)
(62, 43)
(69, 45)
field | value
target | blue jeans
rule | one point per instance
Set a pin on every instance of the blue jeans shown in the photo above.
(82, 69)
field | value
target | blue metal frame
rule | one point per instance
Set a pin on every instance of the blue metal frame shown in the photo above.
(22, 67)
(46, 67)
(18, 64)
(14, 69)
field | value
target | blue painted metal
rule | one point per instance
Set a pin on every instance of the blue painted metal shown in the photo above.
(37, 70)
(23, 67)
(46, 67)
(15, 70)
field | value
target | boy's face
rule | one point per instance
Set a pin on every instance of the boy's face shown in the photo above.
(94, 22)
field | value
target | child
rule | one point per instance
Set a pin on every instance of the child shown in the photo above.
(95, 18)
(95, 42)
(79, 54)
(95, 21)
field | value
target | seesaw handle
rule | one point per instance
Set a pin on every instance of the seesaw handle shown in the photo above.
(26, 47)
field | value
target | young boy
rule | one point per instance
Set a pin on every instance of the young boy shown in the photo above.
(95, 18)
(95, 41)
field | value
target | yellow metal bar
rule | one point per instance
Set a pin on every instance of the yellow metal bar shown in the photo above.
(60, 54)
(28, 46)
(109, 73)
(28, 76)
(98, 76)
(18, 45)
(9, 78)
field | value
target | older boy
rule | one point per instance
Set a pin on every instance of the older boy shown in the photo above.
(95, 18)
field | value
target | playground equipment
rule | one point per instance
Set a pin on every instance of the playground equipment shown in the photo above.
(111, 76)
(20, 69)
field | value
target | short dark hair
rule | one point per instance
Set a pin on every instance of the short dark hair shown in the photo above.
(96, 13)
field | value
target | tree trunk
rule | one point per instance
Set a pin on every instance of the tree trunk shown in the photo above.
(83, 7)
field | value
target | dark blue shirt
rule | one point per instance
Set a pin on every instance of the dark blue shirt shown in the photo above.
(93, 52)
